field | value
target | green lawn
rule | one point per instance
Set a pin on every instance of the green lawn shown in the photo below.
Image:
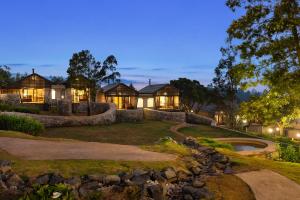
(208, 131)
(143, 133)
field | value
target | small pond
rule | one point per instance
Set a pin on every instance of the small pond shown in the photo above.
(247, 146)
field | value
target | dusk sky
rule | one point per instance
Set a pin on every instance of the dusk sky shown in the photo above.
(157, 39)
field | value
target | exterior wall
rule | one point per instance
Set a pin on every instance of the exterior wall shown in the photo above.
(135, 115)
(107, 117)
(163, 115)
(198, 119)
(293, 133)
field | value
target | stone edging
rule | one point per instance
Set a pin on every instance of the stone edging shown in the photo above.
(270, 146)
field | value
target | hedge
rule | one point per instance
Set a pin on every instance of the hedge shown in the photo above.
(22, 109)
(20, 123)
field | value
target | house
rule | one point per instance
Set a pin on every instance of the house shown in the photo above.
(120, 94)
(159, 96)
(33, 88)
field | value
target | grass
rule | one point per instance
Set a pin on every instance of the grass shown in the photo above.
(208, 131)
(229, 187)
(143, 133)
(70, 168)
(245, 163)
(214, 144)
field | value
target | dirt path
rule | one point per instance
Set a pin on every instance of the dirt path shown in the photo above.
(268, 185)
(56, 150)
(176, 127)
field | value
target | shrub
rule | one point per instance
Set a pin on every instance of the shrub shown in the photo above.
(20, 123)
(214, 143)
(58, 191)
(22, 109)
(27, 110)
(289, 154)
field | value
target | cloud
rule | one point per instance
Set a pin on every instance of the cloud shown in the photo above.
(128, 68)
(45, 65)
(158, 69)
(16, 64)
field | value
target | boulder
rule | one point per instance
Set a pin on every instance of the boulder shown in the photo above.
(155, 191)
(111, 180)
(55, 179)
(169, 174)
(42, 179)
(5, 166)
(14, 181)
(198, 183)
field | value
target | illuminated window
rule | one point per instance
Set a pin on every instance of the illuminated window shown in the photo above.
(140, 103)
(162, 101)
(150, 102)
(176, 101)
(53, 93)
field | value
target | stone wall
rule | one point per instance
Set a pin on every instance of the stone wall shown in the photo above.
(163, 115)
(11, 99)
(107, 117)
(134, 115)
(199, 119)
(96, 108)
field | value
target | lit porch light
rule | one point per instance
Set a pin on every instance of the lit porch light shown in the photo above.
(277, 128)
(270, 130)
(298, 135)
(244, 121)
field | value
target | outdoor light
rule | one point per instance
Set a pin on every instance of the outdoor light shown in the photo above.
(277, 129)
(192, 111)
(298, 135)
(270, 130)
(244, 121)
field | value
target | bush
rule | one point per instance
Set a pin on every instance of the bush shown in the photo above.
(27, 110)
(22, 109)
(58, 191)
(22, 124)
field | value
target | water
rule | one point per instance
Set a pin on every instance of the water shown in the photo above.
(246, 146)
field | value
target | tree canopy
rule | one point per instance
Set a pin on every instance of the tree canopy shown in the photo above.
(191, 92)
(266, 39)
(5, 76)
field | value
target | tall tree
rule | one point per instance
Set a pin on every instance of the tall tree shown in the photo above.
(267, 40)
(5, 76)
(84, 65)
(191, 92)
(226, 84)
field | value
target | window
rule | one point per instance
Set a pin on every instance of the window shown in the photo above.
(162, 101)
(150, 102)
(52, 93)
(176, 101)
(140, 103)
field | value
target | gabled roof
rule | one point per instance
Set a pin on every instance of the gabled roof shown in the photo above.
(112, 86)
(150, 89)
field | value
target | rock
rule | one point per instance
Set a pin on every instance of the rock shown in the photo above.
(184, 175)
(88, 188)
(95, 177)
(2, 186)
(111, 180)
(197, 193)
(140, 179)
(220, 166)
(55, 179)
(169, 174)
(198, 183)
(155, 191)
(139, 172)
(196, 170)
(187, 197)
(14, 180)
(228, 170)
(157, 176)
(42, 180)
(74, 182)
(5, 166)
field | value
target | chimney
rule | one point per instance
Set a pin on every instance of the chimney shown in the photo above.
(149, 81)
(32, 70)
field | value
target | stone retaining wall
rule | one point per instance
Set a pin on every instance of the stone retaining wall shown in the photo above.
(199, 119)
(134, 115)
(11, 99)
(108, 117)
(163, 115)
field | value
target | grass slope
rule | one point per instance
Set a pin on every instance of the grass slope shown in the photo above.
(208, 131)
(143, 133)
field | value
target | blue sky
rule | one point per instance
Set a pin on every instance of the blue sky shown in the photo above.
(157, 39)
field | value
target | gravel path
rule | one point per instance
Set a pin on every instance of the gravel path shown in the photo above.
(268, 185)
(57, 150)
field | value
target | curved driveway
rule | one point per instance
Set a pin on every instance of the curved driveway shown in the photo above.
(63, 150)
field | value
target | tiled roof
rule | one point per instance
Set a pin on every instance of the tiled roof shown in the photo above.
(150, 89)
(109, 87)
